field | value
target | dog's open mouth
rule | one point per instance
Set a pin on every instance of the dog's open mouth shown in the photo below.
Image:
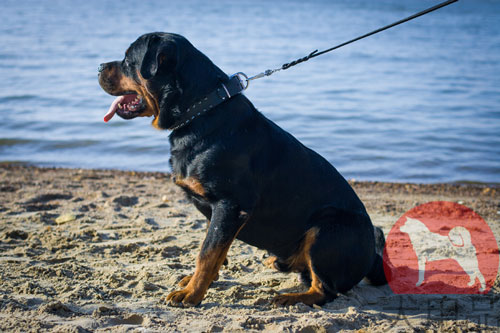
(127, 106)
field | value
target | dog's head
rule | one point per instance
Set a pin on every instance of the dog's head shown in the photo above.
(160, 76)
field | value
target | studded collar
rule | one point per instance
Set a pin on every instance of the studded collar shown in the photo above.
(223, 93)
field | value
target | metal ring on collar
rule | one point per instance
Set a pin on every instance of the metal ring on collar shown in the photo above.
(244, 82)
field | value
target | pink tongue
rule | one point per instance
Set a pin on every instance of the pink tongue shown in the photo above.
(113, 108)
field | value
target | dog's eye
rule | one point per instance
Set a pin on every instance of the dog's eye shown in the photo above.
(126, 63)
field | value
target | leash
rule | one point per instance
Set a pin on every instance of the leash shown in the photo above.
(245, 80)
(240, 81)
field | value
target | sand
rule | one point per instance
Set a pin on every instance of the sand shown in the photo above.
(96, 250)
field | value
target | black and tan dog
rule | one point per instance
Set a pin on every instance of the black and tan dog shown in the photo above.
(251, 179)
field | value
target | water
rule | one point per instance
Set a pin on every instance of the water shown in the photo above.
(417, 103)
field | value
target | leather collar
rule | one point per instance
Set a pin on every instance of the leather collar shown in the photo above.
(223, 93)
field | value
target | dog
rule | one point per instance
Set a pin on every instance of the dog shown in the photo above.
(251, 179)
(430, 246)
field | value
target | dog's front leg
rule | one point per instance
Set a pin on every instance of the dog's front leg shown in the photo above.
(225, 224)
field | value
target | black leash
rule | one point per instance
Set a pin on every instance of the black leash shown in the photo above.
(239, 81)
(244, 78)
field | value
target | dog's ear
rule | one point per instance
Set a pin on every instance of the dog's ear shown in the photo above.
(161, 55)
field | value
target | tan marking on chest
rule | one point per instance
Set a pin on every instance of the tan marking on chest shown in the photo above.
(192, 184)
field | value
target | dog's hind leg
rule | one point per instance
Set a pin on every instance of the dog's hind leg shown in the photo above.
(335, 254)
(301, 261)
(377, 276)
(344, 252)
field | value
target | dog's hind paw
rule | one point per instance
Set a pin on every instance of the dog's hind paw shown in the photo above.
(270, 262)
(308, 298)
(274, 262)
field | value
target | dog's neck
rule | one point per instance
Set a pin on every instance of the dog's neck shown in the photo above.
(204, 104)
(198, 137)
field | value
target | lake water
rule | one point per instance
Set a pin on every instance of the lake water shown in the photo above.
(417, 103)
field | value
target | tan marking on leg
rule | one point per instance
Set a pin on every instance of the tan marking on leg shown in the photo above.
(299, 262)
(185, 280)
(207, 270)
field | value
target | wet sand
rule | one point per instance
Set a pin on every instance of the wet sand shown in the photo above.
(96, 250)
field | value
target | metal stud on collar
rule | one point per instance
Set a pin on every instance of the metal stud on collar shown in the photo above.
(223, 93)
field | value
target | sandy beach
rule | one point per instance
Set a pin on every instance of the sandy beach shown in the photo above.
(96, 250)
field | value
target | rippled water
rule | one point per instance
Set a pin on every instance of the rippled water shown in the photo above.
(419, 103)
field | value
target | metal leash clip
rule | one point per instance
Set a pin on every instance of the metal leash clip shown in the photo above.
(266, 73)
(245, 80)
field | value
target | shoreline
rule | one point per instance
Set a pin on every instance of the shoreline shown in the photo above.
(88, 249)
(455, 182)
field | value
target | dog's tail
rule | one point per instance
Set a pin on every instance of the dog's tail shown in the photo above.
(460, 237)
(376, 276)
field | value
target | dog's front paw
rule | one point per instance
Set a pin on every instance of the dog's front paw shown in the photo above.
(186, 297)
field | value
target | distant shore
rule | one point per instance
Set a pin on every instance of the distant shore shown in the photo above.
(97, 249)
